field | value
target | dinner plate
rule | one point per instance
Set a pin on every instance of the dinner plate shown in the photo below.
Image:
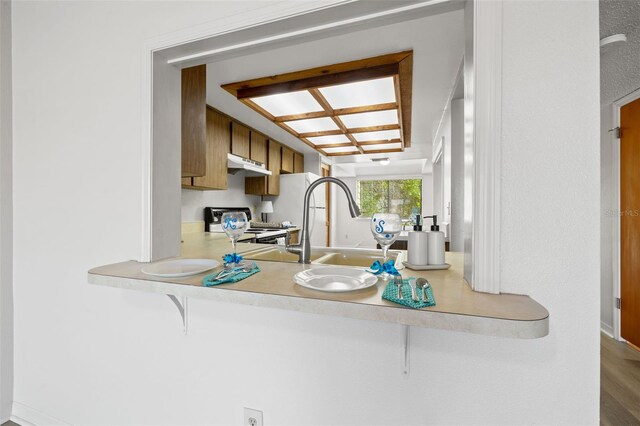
(335, 279)
(179, 267)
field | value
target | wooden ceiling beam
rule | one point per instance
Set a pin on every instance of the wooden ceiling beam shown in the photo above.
(334, 145)
(380, 142)
(405, 87)
(384, 151)
(365, 108)
(374, 128)
(392, 58)
(338, 112)
(352, 76)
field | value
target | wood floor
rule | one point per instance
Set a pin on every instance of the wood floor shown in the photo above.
(619, 383)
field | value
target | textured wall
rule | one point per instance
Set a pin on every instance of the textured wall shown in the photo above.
(620, 63)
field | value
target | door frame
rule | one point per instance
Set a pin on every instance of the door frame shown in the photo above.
(615, 255)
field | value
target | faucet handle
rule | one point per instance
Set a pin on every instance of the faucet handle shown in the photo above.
(287, 239)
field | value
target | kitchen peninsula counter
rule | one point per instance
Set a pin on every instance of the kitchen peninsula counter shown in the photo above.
(458, 308)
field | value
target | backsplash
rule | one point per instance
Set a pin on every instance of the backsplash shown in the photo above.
(194, 201)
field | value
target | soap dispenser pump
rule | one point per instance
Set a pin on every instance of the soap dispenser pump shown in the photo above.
(435, 243)
(417, 245)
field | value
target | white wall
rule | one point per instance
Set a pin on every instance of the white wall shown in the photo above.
(349, 232)
(95, 355)
(6, 216)
(456, 237)
(550, 203)
(194, 202)
(606, 218)
(442, 169)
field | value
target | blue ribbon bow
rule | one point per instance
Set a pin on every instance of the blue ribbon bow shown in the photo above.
(231, 258)
(388, 267)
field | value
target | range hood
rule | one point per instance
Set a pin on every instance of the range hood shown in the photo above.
(236, 164)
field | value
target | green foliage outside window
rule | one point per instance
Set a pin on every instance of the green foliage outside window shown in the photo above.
(401, 196)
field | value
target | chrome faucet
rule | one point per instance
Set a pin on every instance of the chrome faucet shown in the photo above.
(304, 248)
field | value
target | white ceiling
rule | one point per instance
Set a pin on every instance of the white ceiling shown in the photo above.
(438, 45)
(620, 64)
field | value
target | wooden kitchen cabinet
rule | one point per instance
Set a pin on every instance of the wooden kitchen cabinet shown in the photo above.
(240, 140)
(194, 105)
(298, 163)
(287, 160)
(217, 148)
(259, 147)
(267, 185)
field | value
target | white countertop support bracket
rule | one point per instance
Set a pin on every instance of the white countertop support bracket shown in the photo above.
(182, 309)
(405, 351)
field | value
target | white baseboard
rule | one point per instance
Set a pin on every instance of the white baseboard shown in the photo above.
(27, 416)
(606, 329)
(4, 419)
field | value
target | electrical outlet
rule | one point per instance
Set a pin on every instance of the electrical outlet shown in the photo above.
(252, 417)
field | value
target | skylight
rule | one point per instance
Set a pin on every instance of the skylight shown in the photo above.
(382, 146)
(342, 109)
(371, 92)
(288, 103)
(384, 135)
(341, 149)
(323, 140)
(313, 125)
(367, 119)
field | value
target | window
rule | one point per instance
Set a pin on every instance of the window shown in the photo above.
(400, 196)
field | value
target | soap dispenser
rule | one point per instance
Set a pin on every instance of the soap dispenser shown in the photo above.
(435, 243)
(417, 245)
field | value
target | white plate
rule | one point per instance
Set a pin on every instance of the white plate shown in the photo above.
(426, 267)
(179, 267)
(335, 279)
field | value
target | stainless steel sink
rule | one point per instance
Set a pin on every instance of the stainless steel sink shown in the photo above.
(351, 259)
(275, 253)
(322, 256)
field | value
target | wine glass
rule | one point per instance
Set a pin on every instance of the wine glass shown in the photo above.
(234, 224)
(385, 228)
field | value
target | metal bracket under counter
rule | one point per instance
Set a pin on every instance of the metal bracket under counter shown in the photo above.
(182, 306)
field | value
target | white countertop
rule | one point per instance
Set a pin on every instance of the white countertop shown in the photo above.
(458, 307)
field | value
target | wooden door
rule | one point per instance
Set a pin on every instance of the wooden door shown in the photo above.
(630, 222)
(218, 136)
(286, 165)
(298, 163)
(274, 164)
(240, 136)
(259, 147)
(326, 171)
(194, 135)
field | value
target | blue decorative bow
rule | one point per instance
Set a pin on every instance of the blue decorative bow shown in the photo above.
(388, 267)
(232, 258)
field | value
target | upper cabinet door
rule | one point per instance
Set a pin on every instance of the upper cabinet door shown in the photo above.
(194, 106)
(259, 147)
(287, 160)
(275, 161)
(298, 163)
(240, 144)
(218, 136)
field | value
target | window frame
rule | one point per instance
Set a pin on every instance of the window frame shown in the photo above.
(389, 178)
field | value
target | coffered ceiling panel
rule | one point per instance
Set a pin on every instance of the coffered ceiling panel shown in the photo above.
(340, 108)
